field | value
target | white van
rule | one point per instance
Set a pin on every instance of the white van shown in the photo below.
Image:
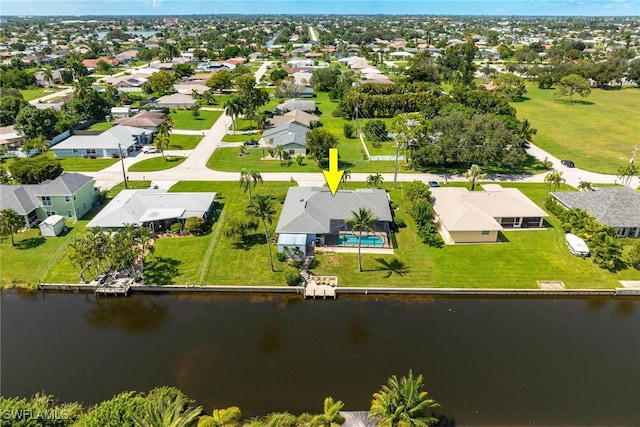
(149, 149)
(576, 245)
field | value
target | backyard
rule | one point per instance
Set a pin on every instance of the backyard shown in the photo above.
(183, 142)
(597, 132)
(183, 119)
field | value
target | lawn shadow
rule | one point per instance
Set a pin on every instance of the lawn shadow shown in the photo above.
(394, 266)
(249, 242)
(175, 147)
(574, 102)
(161, 271)
(30, 243)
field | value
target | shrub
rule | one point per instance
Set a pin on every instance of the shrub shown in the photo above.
(422, 212)
(292, 276)
(195, 225)
(300, 160)
(375, 130)
(280, 256)
(349, 130)
(430, 236)
(176, 227)
(400, 223)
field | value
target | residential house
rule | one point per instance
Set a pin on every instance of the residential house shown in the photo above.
(110, 143)
(312, 217)
(93, 63)
(71, 195)
(478, 216)
(178, 101)
(120, 112)
(131, 83)
(188, 87)
(156, 209)
(297, 104)
(291, 136)
(145, 119)
(295, 116)
(617, 207)
(10, 137)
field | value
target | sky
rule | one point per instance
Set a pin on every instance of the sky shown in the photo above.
(305, 7)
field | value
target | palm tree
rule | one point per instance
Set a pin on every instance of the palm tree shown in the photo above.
(585, 186)
(331, 416)
(361, 221)
(474, 174)
(626, 173)
(48, 76)
(246, 177)
(229, 417)
(554, 178)
(10, 222)
(262, 208)
(525, 132)
(374, 181)
(161, 142)
(166, 411)
(346, 175)
(82, 88)
(400, 402)
(40, 143)
(279, 152)
(233, 108)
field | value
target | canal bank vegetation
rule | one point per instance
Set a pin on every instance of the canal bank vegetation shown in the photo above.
(401, 401)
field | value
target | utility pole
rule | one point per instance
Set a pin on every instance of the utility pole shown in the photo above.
(124, 174)
(633, 155)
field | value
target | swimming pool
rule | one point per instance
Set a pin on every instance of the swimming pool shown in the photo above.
(352, 240)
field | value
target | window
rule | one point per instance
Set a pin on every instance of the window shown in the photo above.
(67, 199)
(75, 150)
(292, 152)
(46, 201)
(69, 213)
(485, 233)
(91, 151)
(51, 213)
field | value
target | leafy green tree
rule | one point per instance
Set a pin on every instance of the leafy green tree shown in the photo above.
(183, 70)
(330, 416)
(545, 81)
(510, 86)
(247, 177)
(375, 130)
(39, 404)
(251, 97)
(319, 141)
(229, 417)
(349, 130)
(103, 67)
(261, 208)
(10, 222)
(634, 71)
(324, 79)
(554, 179)
(572, 84)
(195, 225)
(223, 79)
(162, 81)
(240, 228)
(423, 68)
(195, 110)
(277, 75)
(11, 77)
(167, 407)
(10, 106)
(35, 170)
(33, 122)
(401, 402)
(361, 221)
(473, 174)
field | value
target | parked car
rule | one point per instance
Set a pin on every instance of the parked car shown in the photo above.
(568, 163)
(149, 150)
(251, 143)
(434, 184)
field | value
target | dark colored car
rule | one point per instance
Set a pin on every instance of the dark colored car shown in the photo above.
(568, 163)
(434, 184)
(250, 143)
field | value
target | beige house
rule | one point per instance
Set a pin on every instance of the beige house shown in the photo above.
(478, 216)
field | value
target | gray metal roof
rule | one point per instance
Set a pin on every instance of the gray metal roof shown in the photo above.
(613, 206)
(314, 209)
(108, 139)
(290, 133)
(138, 206)
(296, 104)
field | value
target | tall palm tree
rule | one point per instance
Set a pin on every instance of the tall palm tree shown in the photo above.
(525, 132)
(247, 177)
(474, 174)
(554, 178)
(346, 175)
(331, 416)
(48, 76)
(233, 108)
(39, 143)
(229, 417)
(361, 221)
(82, 87)
(261, 208)
(400, 402)
(374, 181)
(10, 222)
(161, 142)
(279, 152)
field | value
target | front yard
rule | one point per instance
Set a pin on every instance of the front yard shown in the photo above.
(182, 119)
(157, 164)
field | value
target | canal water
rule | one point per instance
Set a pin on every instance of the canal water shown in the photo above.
(487, 361)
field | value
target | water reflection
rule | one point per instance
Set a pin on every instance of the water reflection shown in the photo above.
(141, 314)
(358, 332)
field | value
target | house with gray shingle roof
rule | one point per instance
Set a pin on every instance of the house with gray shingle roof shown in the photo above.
(313, 217)
(156, 209)
(291, 136)
(71, 195)
(617, 207)
(296, 104)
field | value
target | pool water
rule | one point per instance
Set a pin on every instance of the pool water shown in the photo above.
(352, 240)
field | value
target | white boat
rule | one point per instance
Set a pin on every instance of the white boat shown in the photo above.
(576, 245)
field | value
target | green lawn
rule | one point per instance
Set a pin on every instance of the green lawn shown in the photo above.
(78, 164)
(34, 258)
(182, 119)
(597, 132)
(183, 142)
(238, 138)
(101, 126)
(156, 164)
(31, 94)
